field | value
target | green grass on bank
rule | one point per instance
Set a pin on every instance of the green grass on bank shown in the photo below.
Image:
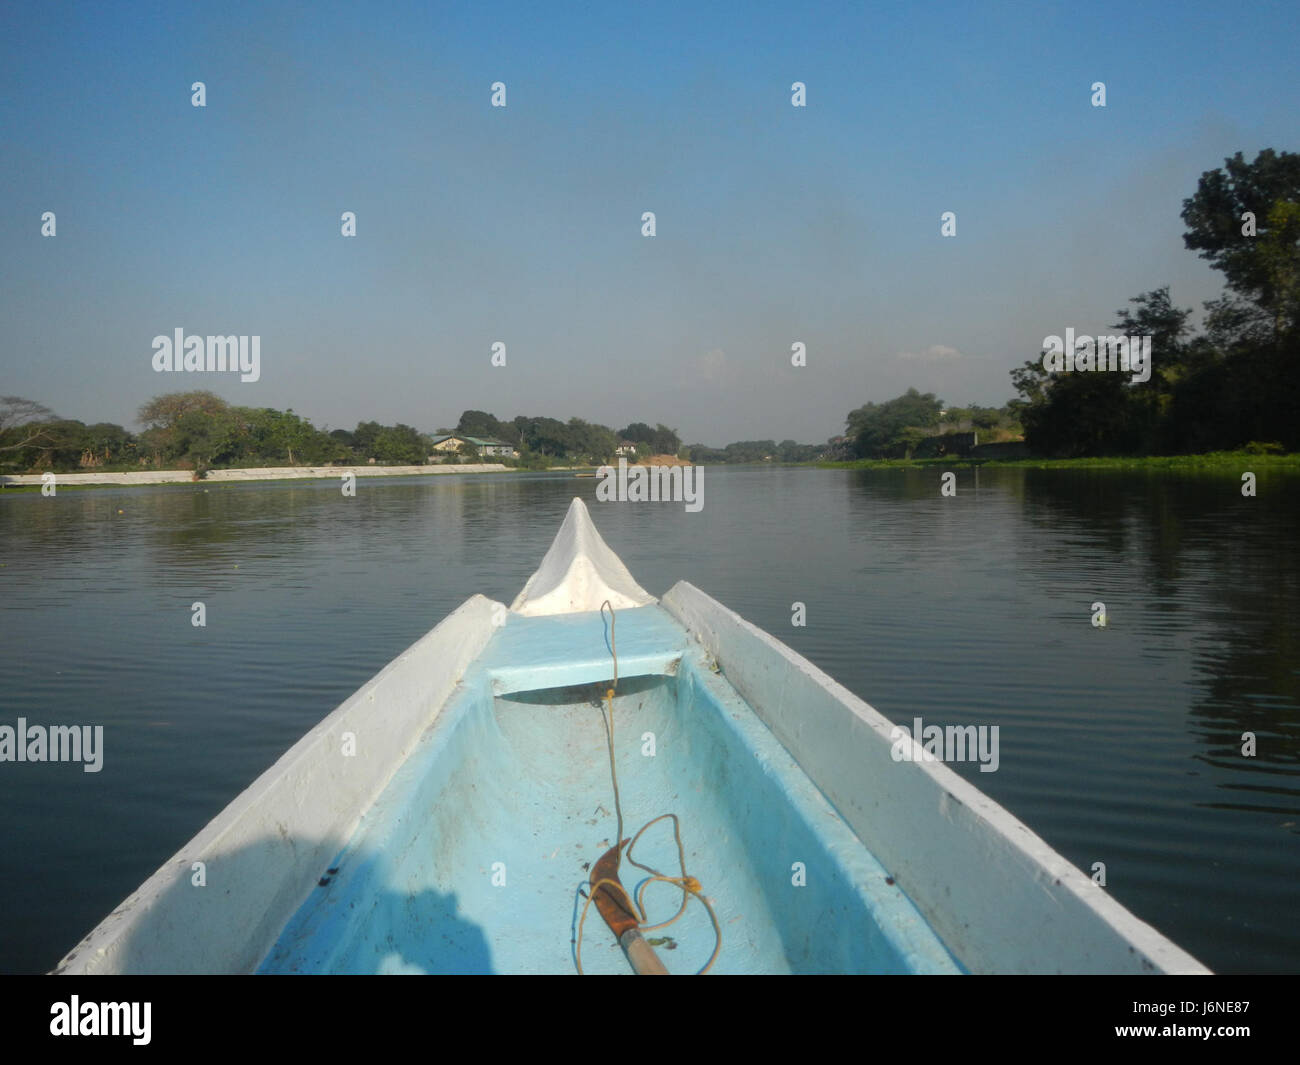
(1214, 461)
(1227, 462)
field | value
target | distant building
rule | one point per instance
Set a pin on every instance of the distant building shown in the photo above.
(452, 443)
(625, 449)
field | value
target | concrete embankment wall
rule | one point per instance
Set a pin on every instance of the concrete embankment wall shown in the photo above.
(268, 473)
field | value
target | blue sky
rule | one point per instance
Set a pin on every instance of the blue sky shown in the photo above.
(477, 224)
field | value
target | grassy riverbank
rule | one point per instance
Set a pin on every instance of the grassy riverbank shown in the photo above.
(1215, 461)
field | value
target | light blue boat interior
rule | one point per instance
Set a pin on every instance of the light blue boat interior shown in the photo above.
(474, 858)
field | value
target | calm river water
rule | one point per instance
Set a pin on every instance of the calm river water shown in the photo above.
(1119, 745)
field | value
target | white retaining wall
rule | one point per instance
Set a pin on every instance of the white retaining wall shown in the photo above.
(267, 473)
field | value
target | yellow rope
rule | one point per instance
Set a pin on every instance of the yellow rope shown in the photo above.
(690, 887)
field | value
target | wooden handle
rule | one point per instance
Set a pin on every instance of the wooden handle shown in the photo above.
(645, 962)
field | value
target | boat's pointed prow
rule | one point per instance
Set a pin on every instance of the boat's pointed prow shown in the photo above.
(579, 573)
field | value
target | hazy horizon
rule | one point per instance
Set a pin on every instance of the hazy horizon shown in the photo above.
(522, 224)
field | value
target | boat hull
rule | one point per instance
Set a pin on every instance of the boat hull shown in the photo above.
(473, 859)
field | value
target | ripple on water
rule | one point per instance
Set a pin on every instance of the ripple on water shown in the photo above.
(1120, 745)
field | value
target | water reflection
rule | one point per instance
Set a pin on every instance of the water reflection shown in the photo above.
(1122, 743)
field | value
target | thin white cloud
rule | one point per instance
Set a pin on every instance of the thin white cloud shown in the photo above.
(934, 353)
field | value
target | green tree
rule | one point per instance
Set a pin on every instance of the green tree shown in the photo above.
(790, 451)
(26, 431)
(286, 432)
(344, 444)
(1279, 255)
(204, 440)
(590, 442)
(879, 429)
(1238, 382)
(163, 436)
(1155, 315)
(109, 443)
(165, 410)
(1069, 415)
(665, 441)
(533, 460)
(481, 424)
(700, 453)
(63, 447)
(68, 443)
(637, 433)
(1261, 269)
(399, 444)
(749, 451)
(364, 437)
(543, 436)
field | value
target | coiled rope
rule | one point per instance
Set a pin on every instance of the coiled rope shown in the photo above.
(690, 887)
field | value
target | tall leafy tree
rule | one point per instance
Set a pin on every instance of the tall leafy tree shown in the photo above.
(287, 432)
(400, 444)
(1264, 268)
(363, 439)
(204, 440)
(26, 430)
(879, 429)
(665, 441)
(591, 442)
(164, 436)
(109, 442)
(1069, 415)
(1251, 391)
(1154, 314)
(481, 424)
(747, 451)
(637, 433)
(165, 410)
